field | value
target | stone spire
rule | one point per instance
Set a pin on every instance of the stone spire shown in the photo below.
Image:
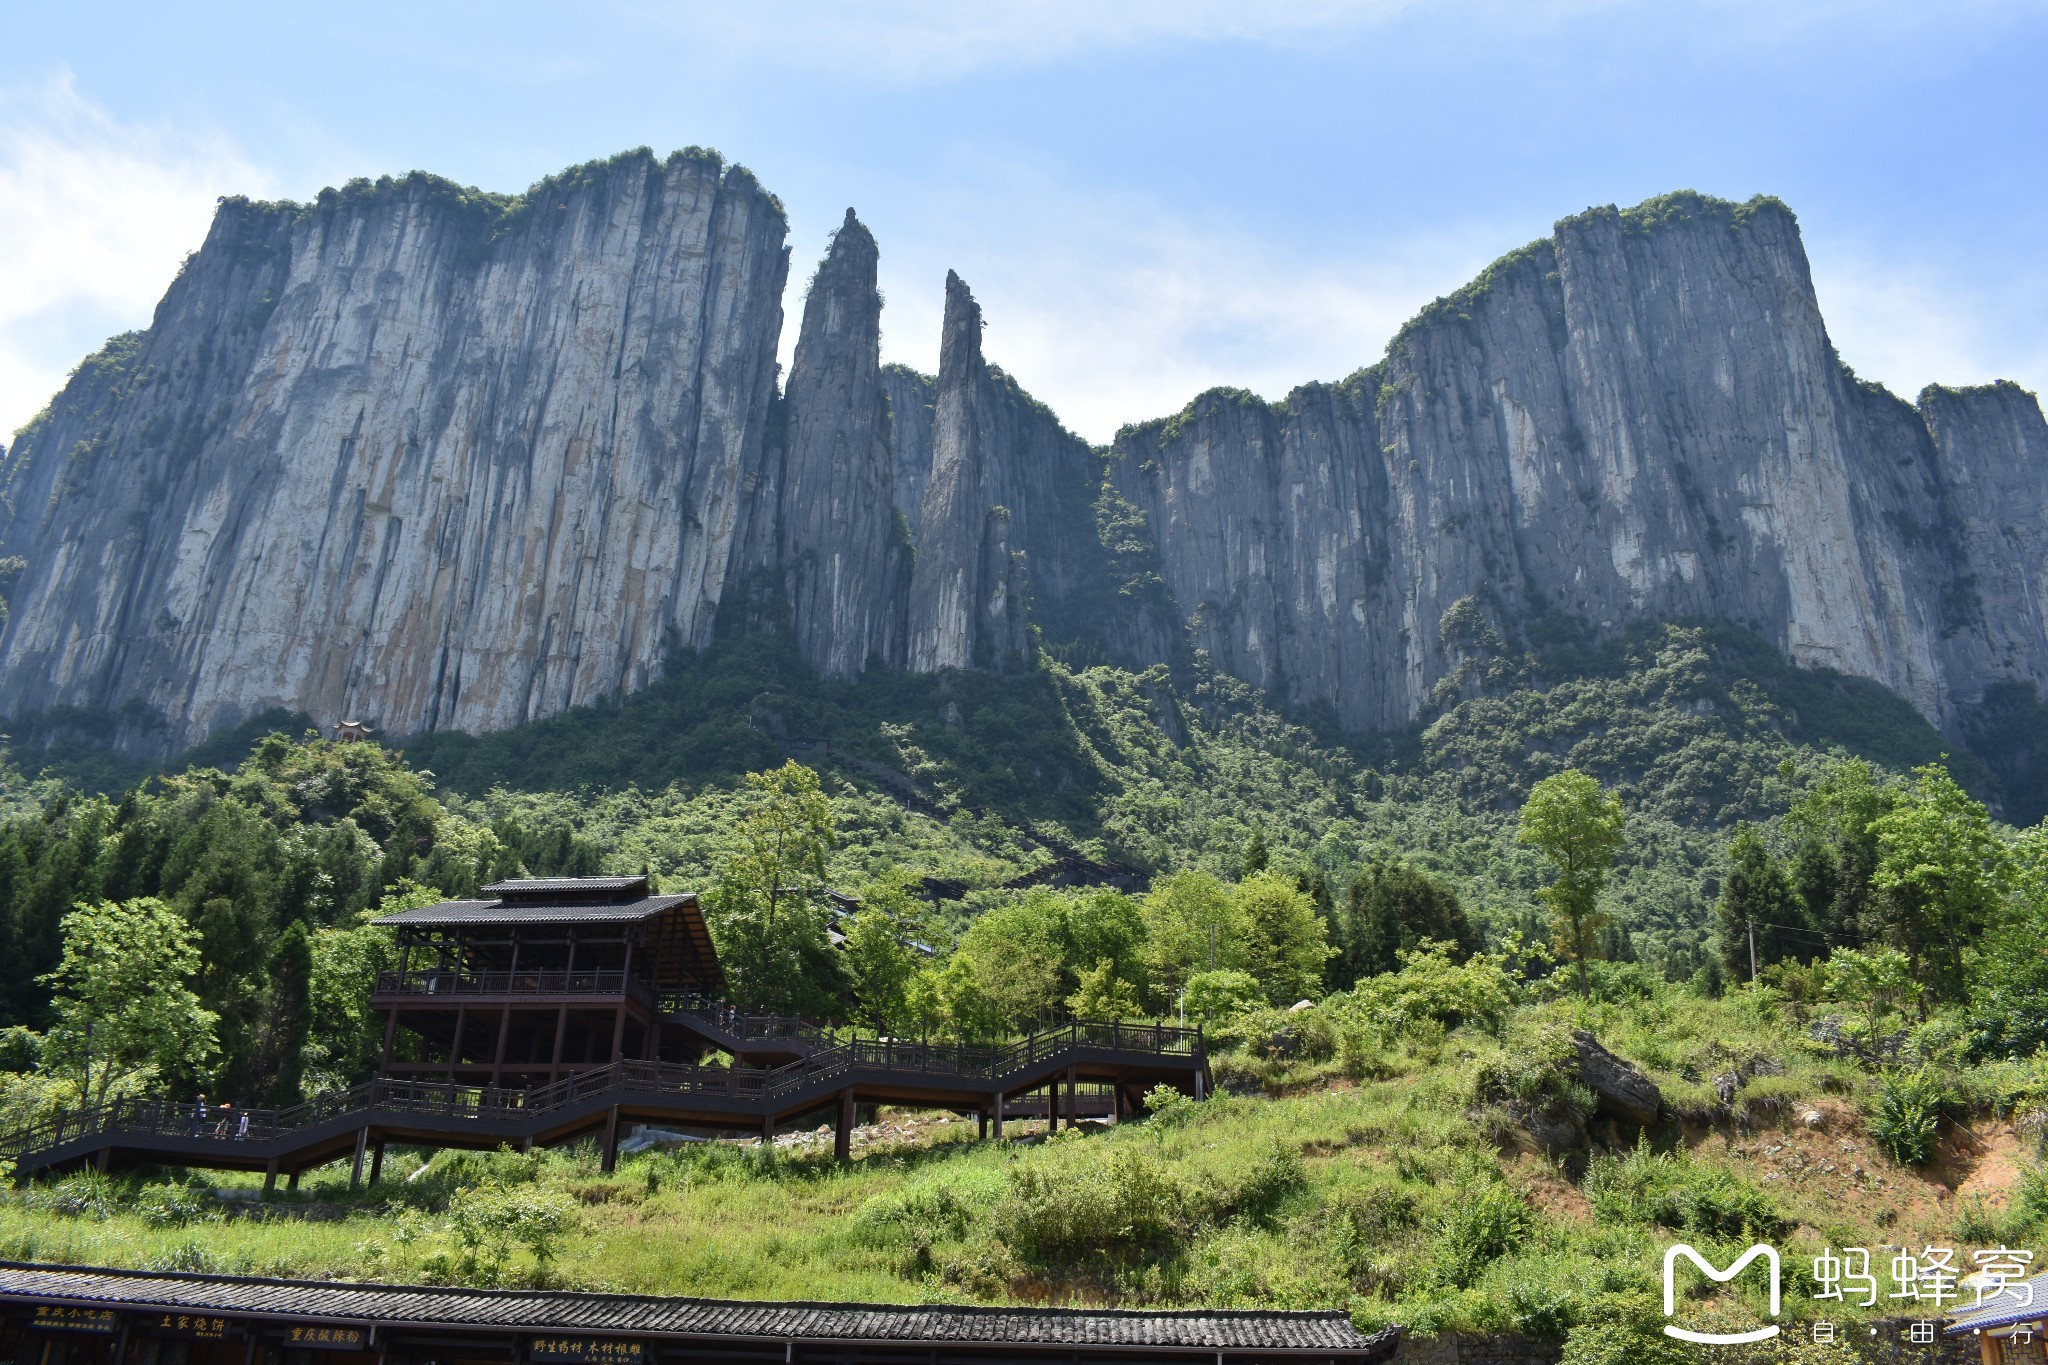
(844, 564)
(967, 603)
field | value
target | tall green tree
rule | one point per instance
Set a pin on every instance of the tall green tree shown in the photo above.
(125, 1008)
(772, 934)
(880, 964)
(1577, 825)
(1831, 823)
(287, 1017)
(1391, 906)
(1192, 925)
(1286, 943)
(1941, 872)
(1759, 918)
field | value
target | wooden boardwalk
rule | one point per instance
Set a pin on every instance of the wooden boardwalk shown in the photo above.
(833, 1077)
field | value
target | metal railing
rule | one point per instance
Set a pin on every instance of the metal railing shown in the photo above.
(442, 981)
(823, 1069)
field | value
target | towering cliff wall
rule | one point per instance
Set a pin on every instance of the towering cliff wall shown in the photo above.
(1641, 416)
(449, 460)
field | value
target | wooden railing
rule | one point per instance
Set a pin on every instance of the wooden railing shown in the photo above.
(722, 1018)
(987, 1065)
(438, 981)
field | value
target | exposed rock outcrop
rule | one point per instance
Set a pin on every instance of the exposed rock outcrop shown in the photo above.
(443, 459)
(1619, 1090)
(845, 564)
(409, 452)
(967, 600)
(1641, 416)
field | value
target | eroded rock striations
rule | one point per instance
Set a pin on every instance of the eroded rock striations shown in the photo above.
(1641, 416)
(845, 560)
(440, 459)
(411, 453)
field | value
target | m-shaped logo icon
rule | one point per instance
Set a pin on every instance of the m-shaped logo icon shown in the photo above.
(1768, 1254)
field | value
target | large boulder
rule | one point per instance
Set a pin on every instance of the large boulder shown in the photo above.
(1622, 1091)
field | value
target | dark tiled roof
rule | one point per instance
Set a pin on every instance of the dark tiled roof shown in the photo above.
(634, 1314)
(2019, 1301)
(566, 886)
(498, 912)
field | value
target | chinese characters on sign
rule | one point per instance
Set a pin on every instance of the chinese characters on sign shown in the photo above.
(585, 1351)
(328, 1338)
(98, 1321)
(189, 1325)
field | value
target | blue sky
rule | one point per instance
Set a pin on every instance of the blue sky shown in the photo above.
(1149, 198)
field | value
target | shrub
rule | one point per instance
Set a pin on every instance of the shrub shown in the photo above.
(87, 1194)
(1259, 1186)
(1168, 1107)
(1905, 1120)
(175, 1206)
(1487, 1220)
(933, 1211)
(1429, 986)
(1082, 1209)
(491, 1220)
(1673, 1190)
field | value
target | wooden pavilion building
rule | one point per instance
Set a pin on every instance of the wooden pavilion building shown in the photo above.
(547, 977)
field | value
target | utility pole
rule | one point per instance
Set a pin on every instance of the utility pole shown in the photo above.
(1752, 950)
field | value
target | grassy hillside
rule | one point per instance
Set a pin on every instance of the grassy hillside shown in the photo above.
(1387, 1171)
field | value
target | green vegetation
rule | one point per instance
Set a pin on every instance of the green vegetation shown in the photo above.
(1391, 944)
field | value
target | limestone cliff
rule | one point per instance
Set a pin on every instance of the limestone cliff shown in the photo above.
(967, 604)
(440, 459)
(844, 562)
(1640, 416)
(443, 459)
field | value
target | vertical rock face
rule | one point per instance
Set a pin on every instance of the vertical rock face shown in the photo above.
(845, 565)
(450, 461)
(966, 600)
(911, 398)
(1639, 417)
(1991, 460)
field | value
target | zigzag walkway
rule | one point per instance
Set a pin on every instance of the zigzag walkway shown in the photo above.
(128, 1132)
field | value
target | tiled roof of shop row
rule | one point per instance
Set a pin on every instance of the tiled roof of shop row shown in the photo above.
(1319, 1333)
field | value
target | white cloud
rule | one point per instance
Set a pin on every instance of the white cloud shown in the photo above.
(1111, 309)
(98, 215)
(1908, 324)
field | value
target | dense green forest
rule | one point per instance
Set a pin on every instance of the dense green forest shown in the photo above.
(1768, 890)
(942, 789)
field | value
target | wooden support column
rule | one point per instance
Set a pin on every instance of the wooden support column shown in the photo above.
(842, 1137)
(355, 1175)
(611, 1140)
(455, 1048)
(1073, 1098)
(270, 1178)
(376, 1160)
(1002, 1103)
(102, 1159)
(291, 1184)
(498, 1055)
(618, 1031)
(768, 1131)
(390, 1041)
(1198, 1084)
(983, 1117)
(561, 1033)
